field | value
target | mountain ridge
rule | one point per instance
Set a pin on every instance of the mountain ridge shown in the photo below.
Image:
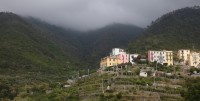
(175, 30)
(41, 46)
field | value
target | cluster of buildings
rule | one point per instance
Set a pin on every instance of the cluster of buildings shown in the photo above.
(116, 57)
(185, 56)
(164, 57)
(189, 58)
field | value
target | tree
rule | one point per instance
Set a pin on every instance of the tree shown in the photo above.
(137, 71)
(119, 95)
(194, 69)
(149, 73)
(7, 92)
(193, 89)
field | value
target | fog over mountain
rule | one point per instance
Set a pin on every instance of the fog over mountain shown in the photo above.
(91, 14)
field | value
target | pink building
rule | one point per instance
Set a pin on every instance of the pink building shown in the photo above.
(162, 57)
(158, 56)
(124, 58)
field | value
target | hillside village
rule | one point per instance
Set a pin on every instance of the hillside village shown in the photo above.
(44, 62)
(158, 76)
(119, 57)
(185, 56)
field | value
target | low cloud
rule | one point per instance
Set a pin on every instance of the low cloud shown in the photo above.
(91, 14)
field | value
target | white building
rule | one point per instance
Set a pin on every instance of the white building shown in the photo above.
(121, 53)
(143, 74)
(117, 51)
(117, 56)
(161, 57)
(194, 59)
(158, 56)
(132, 57)
(66, 86)
(184, 55)
(189, 58)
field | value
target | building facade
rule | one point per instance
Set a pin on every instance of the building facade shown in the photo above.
(162, 57)
(143, 74)
(194, 59)
(169, 58)
(117, 56)
(124, 58)
(157, 56)
(184, 55)
(117, 51)
(132, 57)
(109, 61)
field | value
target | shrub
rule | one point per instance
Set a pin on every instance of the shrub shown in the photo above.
(119, 95)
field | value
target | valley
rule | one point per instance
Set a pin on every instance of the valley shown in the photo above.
(44, 62)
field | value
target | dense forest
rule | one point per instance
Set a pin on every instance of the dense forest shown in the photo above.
(38, 59)
(28, 44)
(25, 48)
(175, 30)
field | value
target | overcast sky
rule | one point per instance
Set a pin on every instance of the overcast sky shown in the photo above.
(91, 14)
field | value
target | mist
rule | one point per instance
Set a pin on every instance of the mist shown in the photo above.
(86, 15)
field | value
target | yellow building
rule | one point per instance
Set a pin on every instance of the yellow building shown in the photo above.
(184, 54)
(194, 59)
(109, 61)
(169, 58)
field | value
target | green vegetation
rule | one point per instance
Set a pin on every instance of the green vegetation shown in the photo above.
(193, 69)
(98, 43)
(193, 89)
(93, 44)
(175, 30)
(26, 49)
(36, 59)
(28, 43)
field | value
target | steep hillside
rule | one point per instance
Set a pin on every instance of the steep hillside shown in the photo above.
(98, 43)
(175, 30)
(25, 48)
(90, 46)
(30, 45)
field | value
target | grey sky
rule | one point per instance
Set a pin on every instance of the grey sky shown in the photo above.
(91, 14)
